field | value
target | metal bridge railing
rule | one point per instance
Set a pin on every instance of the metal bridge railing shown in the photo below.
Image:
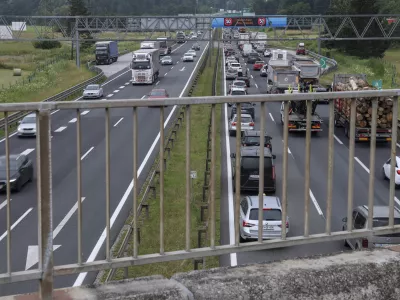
(46, 270)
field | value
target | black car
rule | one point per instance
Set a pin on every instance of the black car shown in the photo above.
(196, 47)
(245, 78)
(21, 172)
(246, 108)
(250, 169)
(251, 138)
(253, 57)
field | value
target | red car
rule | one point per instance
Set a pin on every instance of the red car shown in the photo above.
(258, 65)
(158, 94)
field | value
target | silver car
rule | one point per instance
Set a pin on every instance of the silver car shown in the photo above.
(231, 74)
(193, 52)
(272, 218)
(380, 219)
(166, 60)
(188, 57)
(93, 91)
(247, 124)
(27, 126)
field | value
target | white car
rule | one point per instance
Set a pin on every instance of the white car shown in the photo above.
(236, 66)
(188, 57)
(27, 126)
(193, 52)
(230, 60)
(386, 171)
(93, 91)
(246, 124)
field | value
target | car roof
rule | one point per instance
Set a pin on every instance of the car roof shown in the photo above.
(254, 133)
(32, 115)
(243, 115)
(158, 90)
(268, 202)
(380, 211)
(254, 151)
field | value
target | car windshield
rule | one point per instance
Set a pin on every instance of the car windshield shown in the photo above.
(381, 222)
(13, 164)
(28, 120)
(268, 214)
(235, 65)
(141, 65)
(260, 62)
(98, 51)
(157, 93)
(92, 87)
(239, 83)
(167, 58)
(237, 93)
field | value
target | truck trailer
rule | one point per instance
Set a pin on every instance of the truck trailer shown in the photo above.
(281, 74)
(354, 82)
(150, 45)
(165, 45)
(145, 66)
(106, 52)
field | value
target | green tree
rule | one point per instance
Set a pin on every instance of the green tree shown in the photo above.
(299, 8)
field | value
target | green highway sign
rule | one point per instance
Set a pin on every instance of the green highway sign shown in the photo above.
(377, 84)
(322, 62)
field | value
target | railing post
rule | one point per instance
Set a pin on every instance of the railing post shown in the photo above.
(45, 214)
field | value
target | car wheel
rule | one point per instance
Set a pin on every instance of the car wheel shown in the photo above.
(383, 174)
(242, 240)
(18, 186)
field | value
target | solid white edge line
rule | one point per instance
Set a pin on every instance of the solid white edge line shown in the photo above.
(87, 153)
(66, 218)
(57, 110)
(316, 203)
(337, 139)
(272, 118)
(16, 223)
(4, 203)
(233, 256)
(361, 164)
(81, 277)
(119, 121)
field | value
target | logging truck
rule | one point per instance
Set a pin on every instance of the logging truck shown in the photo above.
(354, 82)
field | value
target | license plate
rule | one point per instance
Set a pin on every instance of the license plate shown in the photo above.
(255, 176)
(268, 227)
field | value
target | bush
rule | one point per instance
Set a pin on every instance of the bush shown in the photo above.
(46, 44)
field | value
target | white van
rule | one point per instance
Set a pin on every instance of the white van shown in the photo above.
(247, 48)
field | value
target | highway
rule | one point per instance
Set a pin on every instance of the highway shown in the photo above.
(93, 152)
(296, 171)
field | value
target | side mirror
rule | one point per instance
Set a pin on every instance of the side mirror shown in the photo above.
(233, 155)
(344, 220)
(273, 156)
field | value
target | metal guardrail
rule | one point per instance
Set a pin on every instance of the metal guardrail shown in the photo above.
(46, 270)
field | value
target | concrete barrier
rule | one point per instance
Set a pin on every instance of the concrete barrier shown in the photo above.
(361, 275)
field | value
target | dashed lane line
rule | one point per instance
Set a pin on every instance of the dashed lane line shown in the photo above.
(72, 120)
(87, 153)
(272, 118)
(27, 151)
(60, 129)
(85, 112)
(119, 121)
(116, 91)
(110, 95)
(16, 223)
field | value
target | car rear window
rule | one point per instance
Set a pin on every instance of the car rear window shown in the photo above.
(253, 163)
(268, 214)
(246, 105)
(238, 93)
(381, 222)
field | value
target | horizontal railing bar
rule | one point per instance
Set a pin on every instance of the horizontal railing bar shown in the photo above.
(196, 253)
(119, 103)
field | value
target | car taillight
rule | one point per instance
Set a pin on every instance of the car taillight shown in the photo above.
(273, 172)
(245, 224)
(268, 146)
(233, 123)
(398, 172)
(364, 243)
(287, 225)
(251, 124)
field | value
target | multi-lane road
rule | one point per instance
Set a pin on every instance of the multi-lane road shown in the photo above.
(296, 178)
(24, 213)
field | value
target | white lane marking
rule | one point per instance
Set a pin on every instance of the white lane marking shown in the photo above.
(251, 76)
(77, 99)
(57, 110)
(172, 68)
(27, 151)
(177, 62)
(66, 218)
(165, 74)
(16, 223)
(60, 129)
(361, 164)
(316, 203)
(131, 80)
(143, 97)
(115, 77)
(127, 83)
(119, 121)
(72, 120)
(337, 139)
(104, 99)
(182, 69)
(157, 82)
(272, 118)
(288, 150)
(116, 91)
(4, 203)
(110, 95)
(81, 277)
(122, 87)
(397, 200)
(233, 256)
(256, 85)
(8, 137)
(85, 112)
(248, 70)
(87, 153)
(398, 145)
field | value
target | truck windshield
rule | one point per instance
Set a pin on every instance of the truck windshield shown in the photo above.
(141, 65)
(101, 51)
(163, 44)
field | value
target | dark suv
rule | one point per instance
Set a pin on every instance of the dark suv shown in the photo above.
(246, 108)
(249, 170)
(253, 57)
(251, 138)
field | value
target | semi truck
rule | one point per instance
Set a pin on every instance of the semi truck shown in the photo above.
(244, 38)
(180, 36)
(262, 39)
(281, 74)
(297, 121)
(165, 45)
(145, 66)
(106, 52)
(343, 82)
(150, 45)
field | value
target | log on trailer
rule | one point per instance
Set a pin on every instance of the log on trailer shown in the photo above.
(364, 105)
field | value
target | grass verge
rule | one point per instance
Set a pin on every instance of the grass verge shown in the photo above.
(175, 191)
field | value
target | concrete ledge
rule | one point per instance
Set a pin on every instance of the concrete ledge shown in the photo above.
(360, 275)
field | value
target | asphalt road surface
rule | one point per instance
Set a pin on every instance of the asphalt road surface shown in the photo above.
(296, 179)
(64, 174)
